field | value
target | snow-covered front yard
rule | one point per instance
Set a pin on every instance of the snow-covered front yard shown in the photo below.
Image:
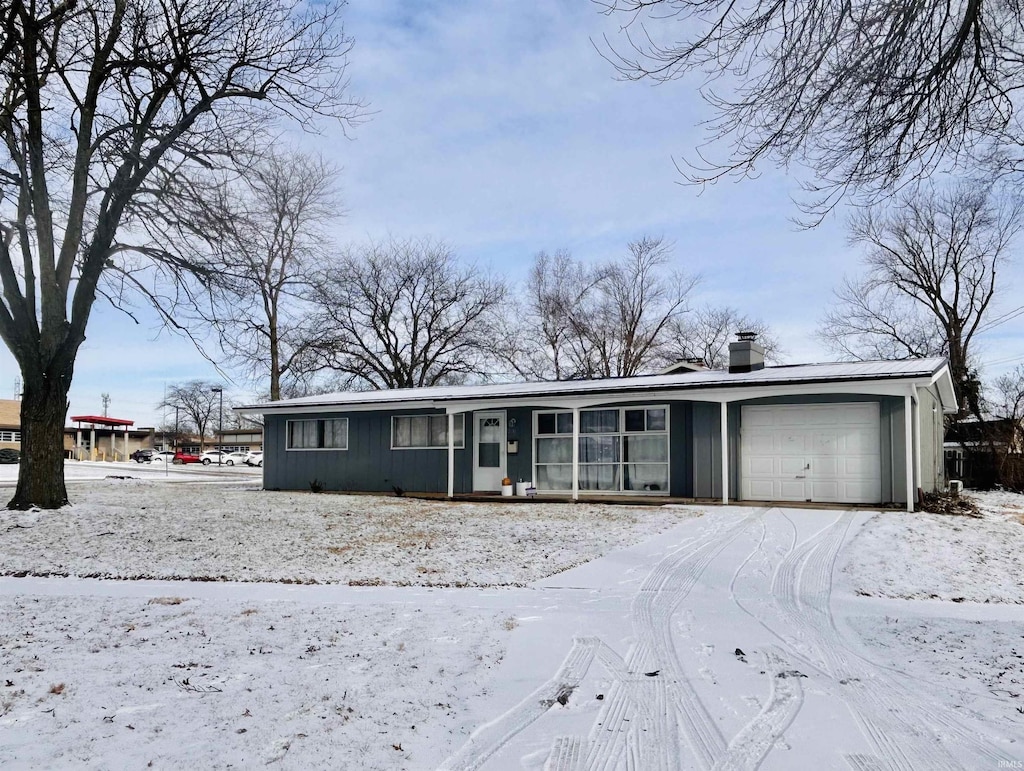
(426, 634)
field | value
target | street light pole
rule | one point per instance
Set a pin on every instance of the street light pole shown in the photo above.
(220, 425)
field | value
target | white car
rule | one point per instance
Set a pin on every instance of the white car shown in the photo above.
(254, 458)
(167, 456)
(235, 458)
(213, 456)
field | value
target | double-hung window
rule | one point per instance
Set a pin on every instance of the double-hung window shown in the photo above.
(419, 432)
(329, 434)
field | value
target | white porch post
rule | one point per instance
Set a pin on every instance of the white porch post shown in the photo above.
(451, 454)
(725, 452)
(908, 444)
(917, 443)
(78, 443)
(126, 443)
(92, 443)
(575, 453)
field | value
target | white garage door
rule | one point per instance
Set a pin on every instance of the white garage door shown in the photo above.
(813, 452)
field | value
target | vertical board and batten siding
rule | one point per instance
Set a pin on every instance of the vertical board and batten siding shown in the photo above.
(519, 465)
(706, 441)
(368, 465)
(933, 431)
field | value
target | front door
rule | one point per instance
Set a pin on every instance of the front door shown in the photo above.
(488, 450)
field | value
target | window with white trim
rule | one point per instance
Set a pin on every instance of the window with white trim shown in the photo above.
(425, 432)
(552, 451)
(319, 434)
(621, 449)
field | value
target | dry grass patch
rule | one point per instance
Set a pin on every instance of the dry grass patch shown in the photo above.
(166, 601)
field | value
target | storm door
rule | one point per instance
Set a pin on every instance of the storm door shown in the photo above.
(489, 451)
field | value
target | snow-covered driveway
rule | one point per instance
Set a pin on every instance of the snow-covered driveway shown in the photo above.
(736, 653)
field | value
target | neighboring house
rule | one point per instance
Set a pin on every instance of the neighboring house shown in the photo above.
(986, 451)
(10, 424)
(864, 432)
(240, 439)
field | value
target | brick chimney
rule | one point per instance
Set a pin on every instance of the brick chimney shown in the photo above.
(745, 354)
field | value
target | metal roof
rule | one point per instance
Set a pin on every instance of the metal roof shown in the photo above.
(102, 420)
(908, 369)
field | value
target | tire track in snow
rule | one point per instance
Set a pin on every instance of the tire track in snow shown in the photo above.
(888, 712)
(566, 754)
(684, 715)
(802, 587)
(491, 737)
(749, 747)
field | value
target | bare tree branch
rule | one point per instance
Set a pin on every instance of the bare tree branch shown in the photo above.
(869, 94)
(932, 265)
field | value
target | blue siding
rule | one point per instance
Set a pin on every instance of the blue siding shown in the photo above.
(368, 465)
(707, 450)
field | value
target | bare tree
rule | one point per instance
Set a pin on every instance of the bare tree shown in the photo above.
(273, 233)
(405, 314)
(542, 333)
(597, 321)
(1006, 431)
(704, 334)
(932, 268)
(621, 326)
(115, 119)
(866, 93)
(197, 405)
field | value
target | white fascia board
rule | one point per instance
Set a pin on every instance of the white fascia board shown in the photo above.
(862, 387)
(305, 409)
(947, 392)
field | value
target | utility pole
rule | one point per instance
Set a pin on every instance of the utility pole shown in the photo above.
(105, 398)
(220, 425)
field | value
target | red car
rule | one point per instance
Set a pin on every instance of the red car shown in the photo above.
(185, 457)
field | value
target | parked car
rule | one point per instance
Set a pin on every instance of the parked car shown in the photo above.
(213, 456)
(235, 458)
(254, 458)
(142, 456)
(181, 457)
(164, 456)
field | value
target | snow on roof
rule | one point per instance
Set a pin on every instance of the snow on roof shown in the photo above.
(780, 375)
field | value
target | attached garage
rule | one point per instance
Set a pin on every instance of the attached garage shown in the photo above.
(811, 452)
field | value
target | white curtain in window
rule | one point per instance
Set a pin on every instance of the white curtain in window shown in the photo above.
(336, 433)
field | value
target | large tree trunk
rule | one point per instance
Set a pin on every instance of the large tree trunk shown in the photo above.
(44, 407)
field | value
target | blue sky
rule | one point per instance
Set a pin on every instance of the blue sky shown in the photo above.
(497, 127)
